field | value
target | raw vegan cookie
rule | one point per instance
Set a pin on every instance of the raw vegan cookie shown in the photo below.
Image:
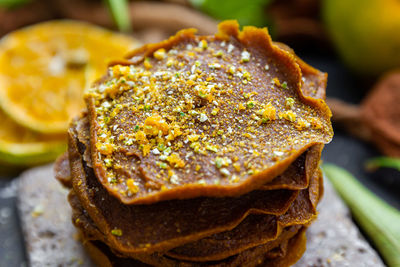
(199, 151)
(202, 116)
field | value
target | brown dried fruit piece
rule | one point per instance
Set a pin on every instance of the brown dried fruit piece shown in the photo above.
(202, 116)
(380, 110)
(376, 120)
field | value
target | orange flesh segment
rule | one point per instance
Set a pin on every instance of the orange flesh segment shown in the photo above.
(46, 67)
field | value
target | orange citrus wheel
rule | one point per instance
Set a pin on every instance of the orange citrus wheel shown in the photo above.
(45, 68)
(20, 146)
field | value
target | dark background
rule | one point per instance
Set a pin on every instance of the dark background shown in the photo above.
(344, 151)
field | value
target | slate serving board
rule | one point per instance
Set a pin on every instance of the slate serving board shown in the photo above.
(333, 240)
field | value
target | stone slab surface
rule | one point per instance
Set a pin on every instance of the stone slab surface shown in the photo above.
(50, 237)
(333, 240)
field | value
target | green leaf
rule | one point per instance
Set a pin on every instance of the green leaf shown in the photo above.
(13, 3)
(250, 12)
(120, 12)
(379, 220)
(386, 162)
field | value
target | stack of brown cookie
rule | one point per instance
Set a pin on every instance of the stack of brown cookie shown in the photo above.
(199, 151)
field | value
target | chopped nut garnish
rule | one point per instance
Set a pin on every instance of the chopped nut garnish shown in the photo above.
(302, 124)
(236, 166)
(213, 148)
(215, 111)
(225, 171)
(203, 44)
(268, 113)
(130, 183)
(160, 54)
(276, 81)
(147, 64)
(250, 104)
(289, 102)
(38, 210)
(154, 124)
(105, 148)
(175, 161)
(203, 117)
(116, 232)
(220, 162)
(230, 48)
(192, 105)
(288, 115)
(245, 56)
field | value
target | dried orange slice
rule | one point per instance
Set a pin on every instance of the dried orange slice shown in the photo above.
(44, 69)
(21, 146)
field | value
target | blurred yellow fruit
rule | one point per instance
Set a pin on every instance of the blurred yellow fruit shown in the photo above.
(366, 33)
(45, 68)
(24, 147)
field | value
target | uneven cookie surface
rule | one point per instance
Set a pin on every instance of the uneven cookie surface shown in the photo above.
(199, 151)
(171, 221)
(203, 116)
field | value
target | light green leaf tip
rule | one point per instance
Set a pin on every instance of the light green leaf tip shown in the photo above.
(386, 162)
(250, 12)
(13, 3)
(120, 12)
